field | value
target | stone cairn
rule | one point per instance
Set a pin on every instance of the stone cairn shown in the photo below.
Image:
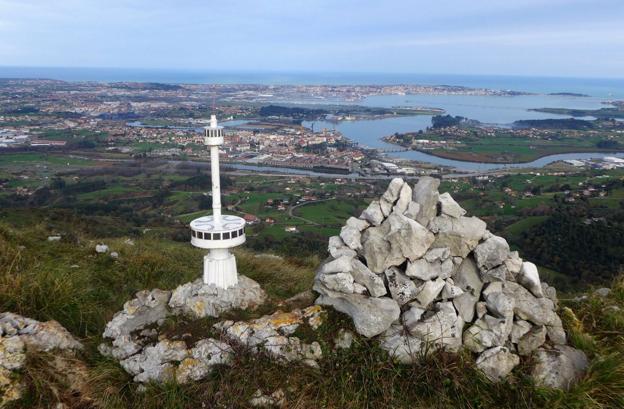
(419, 274)
(149, 355)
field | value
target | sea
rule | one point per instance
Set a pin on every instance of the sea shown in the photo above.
(491, 109)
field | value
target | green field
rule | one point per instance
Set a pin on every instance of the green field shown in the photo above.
(7, 159)
(329, 213)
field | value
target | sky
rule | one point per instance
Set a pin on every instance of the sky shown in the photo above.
(576, 38)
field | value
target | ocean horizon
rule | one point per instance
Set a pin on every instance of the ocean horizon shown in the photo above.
(597, 87)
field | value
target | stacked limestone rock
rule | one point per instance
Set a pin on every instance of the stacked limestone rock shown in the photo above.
(416, 271)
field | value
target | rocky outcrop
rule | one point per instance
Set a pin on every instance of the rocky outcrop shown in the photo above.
(20, 335)
(272, 335)
(431, 277)
(151, 356)
(199, 300)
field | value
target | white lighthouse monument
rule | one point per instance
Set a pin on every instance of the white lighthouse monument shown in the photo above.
(217, 233)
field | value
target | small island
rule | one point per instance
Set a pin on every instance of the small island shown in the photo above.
(568, 94)
(615, 110)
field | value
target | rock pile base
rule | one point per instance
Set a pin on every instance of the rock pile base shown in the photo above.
(149, 355)
(416, 272)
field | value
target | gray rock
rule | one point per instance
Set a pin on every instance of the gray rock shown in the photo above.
(358, 224)
(559, 367)
(602, 292)
(341, 282)
(443, 328)
(487, 332)
(371, 316)
(401, 345)
(465, 306)
(450, 290)
(412, 316)
(391, 194)
(500, 305)
(114, 255)
(480, 309)
(449, 206)
(513, 264)
(493, 287)
(359, 289)
(260, 400)
(344, 339)
(412, 210)
(148, 307)
(352, 237)
(340, 265)
(40, 336)
(491, 253)
(437, 254)
(539, 311)
(122, 347)
(497, 274)
(337, 248)
(532, 340)
(12, 353)
(199, 300)
(550, 293)
(402, 289)
(518, 330)
(270, 334)
(156, 362)
(556, 333)
(410, 238)
(429, 291)
(373, 213)
(101, 248)
(425, 193)
(467, 277)
(529, 278)
(496, 363)
(205, 355)
(385, 206)
(424, 270)
(377, 249)
(362, 275)
(404, 200)
(460, 235)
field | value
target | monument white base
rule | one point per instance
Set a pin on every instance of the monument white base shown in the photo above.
(220, 268)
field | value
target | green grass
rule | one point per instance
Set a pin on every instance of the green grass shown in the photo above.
(13, 159)
(331, 212)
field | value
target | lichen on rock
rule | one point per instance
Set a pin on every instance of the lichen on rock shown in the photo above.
(151, 356)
